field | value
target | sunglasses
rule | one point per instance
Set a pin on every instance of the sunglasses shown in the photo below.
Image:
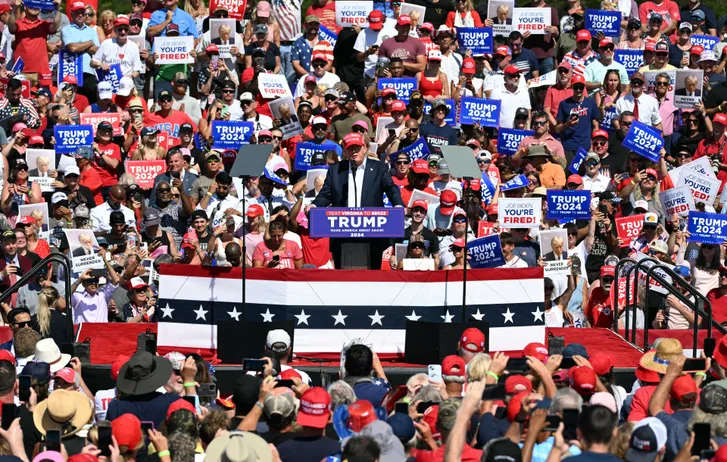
(166, 99)
(600, 143)
(662, 84)
(402, 162)
(651, 177)
(279, 138)
(419, 245)
(607, 280)
(455, 249)
(319, 64)
(460, 220)
(89, 15)
(265, 139)
(693, 121)
(563, 71)
(637, 83)
(484, 161)
(625, 124)
(592, 164)
(682, 156)
(358, 130)
(540, 123)
(182, 82)
(164, 190)
(212, 160)
(330, 99)
(22, 324)
(228, 91)
(579, 86)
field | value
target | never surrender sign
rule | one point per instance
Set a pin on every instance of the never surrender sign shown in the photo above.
(630, 59)
(349, 13)
(707, 228)
(174, 50)
(356, 222)
(476, 39)
(677, 200)
(607, 22)
(485, 252)
(509, 139)
(629, 228)
(568, 205)
(70, 64)
(644, 140)
(519, 212)
(403, 86)
(93, 119)
(71, 137)
(231, 134)
(473, 110)
(303, 154)
(144, 171)
(531, 20)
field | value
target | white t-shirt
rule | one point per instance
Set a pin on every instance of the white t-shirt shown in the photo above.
(516, 262)
(366, 39)
(102, 398)
(127, 55)
(511, 103)
(328, 80)
(554, 317)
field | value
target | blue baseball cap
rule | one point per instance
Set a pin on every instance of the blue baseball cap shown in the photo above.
(402, 426)
(575, 349)
(683, 271)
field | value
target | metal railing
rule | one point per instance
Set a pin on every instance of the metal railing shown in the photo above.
(54, 257)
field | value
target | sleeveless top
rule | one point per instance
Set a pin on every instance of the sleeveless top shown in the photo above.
(429, 88)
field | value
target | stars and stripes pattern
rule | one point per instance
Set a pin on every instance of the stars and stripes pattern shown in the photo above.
(328, 308)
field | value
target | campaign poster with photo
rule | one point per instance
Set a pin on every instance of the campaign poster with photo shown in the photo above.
(39, 214)
(83, 248)
(41, 162)
(500, 11)
(688, 90)
(314, 179)
(284, 109)
(650, 81)
(554, 251)
(227, 33)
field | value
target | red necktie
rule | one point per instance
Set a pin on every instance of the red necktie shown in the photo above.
(636, 109)
(14, 297)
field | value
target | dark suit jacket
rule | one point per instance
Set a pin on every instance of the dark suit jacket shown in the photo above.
(81, 252)
(683, 92)
(550, 256)
(377, 181)
(26, 264)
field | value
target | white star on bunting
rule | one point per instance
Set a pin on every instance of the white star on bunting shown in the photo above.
(340, 318)
(167, 311)
(201, 313)
(447, 317)
(478, 316)
(267, 315)
(413, 316)
(302, 318)
(234, 313)
(376, 318)
(508, 316)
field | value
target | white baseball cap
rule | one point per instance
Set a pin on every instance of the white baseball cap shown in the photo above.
(642, 204)
(126, 84)
(105, 90)
(72, 170)
(275, 337)
(57, 197)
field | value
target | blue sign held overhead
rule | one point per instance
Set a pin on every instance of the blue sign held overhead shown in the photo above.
(403, 86)
(70, 64)
(485, 252)
(568, 205)
(18, 66)
(487, 188)
(485, 112)
(477, 39)
(578, 159)
(231, 134)
(417, 150)
(708, 42)
(519, 181)
(71, 137)
(607, 22)
(304, 153)
(113, 75)
(451, 118)
(325, 34)
(644, 140)
(630, 59)
(509, 139)
(43, 5)
(356, 222)
(707, 228)
(607, 120)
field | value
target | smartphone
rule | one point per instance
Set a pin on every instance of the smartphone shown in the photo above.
(207, 390)
(176, 175)
(254, 365)
(9, 412)
(53, 440)
(709, 345)
(98, 273)
(695, 364)
(702, 434)
(552, 422)
(191, 400)
(132, 239)
(556, 345)
(24, 383)
(570, 423)
(392, 132)
(494, 392)
(401, 408)
(423, 406)
(435, 372)
(276, 257)
(225, 111)
(285, 383)
(707, 454)
(215, 61)
(104, 440)
(138, 116)
(500, 412)
(603, 208)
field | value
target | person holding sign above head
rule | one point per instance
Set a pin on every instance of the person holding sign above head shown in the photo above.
(644, 107)
(119, 50)
(30, 40)
(410, 49)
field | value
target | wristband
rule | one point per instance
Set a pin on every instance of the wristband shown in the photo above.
(163, 453)
(700, 374)
(493, 375)
(209, 193)
(632, 181)
(189, 384)
(257, 403)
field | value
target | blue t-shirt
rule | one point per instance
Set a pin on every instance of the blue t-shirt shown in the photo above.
(187, 26)
(436, 137)
(527, 62)
(589, 456)
(578, 136)
(154, 410)
(373, 391)
(308, 449)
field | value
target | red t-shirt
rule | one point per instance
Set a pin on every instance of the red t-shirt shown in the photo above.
(169, 124)
(92, 180)
(407, 191)
(80, 102)
(108, 175)
(287, 259)
(469, 454)
(719, 305)
(401, 183)
(30, 44)
(326, 13)
(315, 250)
(599, 311)
(640, 403)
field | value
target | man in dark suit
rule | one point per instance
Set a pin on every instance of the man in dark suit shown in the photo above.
(690, 87)
(174, 174)
(358, 182)
(86, 247)
(12, 265)
(557, 253)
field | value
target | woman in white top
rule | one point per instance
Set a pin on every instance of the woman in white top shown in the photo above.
(705, 269)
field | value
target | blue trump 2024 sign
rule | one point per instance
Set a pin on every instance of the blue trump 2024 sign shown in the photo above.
(473, 110)
(485, 252)
(358, 222)
(113, 76)
(71, 137)
(403, 86)
(607, 22)
(70, 64)
(487, 188)
(451, 118)
(578, 159)
(568, 205)
(630, 59)
(43, 5)
(644, 140)
(707, 228)
(519, 181)
(304, 153)
(417, 150)
(508, 139)
(325, 34)
(231, 134)
(477, 39)
(706, 41)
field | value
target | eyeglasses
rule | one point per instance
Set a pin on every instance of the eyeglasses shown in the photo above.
(245, 103)
(625, 123)
(650, 177)
(279, 138)
(330, 99)
(541, 123)
(136, 111)
(89, 15)
(607, 48)
(484, 161)
(592, 164)
(320, 128)
(563, 71)
(212, 160)
(166, 99)
(417, 245)
(177, 195)
(662, 84)
(182, 82)
(433, 163)
(682, 155)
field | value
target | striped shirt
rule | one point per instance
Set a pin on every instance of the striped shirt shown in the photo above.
(579, 62)
(287, 13)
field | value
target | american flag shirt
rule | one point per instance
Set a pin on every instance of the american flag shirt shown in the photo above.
(287, 13)
(578, 62)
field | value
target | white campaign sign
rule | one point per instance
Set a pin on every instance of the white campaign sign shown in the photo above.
(677, 200)
(519, 212)
(704, 189)
(174, 50)
(701, 166)
(349, 13)
(417, 195)
(546, 79)
(273, 86)
(531, 20)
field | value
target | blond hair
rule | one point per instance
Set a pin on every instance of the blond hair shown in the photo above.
(478, 367)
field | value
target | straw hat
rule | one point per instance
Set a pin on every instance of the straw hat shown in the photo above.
(47, 351)
(66, 410)
(658, 360)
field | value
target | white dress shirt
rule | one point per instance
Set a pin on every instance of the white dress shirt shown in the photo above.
(597, 184)
(648, 108)
(101, 214)
(355, 185)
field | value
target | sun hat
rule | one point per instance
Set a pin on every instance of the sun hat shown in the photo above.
(63, 410)
(238, 446)
(47, 351)
(658, 360)
(143, 374)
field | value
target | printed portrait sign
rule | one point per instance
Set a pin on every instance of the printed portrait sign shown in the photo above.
(284, 110)
(554, 251)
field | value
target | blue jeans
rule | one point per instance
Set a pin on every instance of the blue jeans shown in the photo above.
(286, 65)
(546, 65)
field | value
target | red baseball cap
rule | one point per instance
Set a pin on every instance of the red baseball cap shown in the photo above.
(599, 132)
(321, 56)
(684, 389)
(512, 70)
(116, 366)
(315, 408)
(515, 406)
(720, 352)
(646, 375)
(353, 139)
(502, 50)
(398, 106)
(649, 46)
(577, 78)
(255, 210)
(608, 270)
(602, 362)
(583, 35)
(473, 142)
(26, 220)
(5, 355)
(719, 456)
(376, 20)
(696, 50)
(720, 118)
(517, 384)
(421, 203)
(472, 339)
(36, 139)
(388, 91)
(565, 65)
(5, 8)
(453, 365)
(127, 430)
(75, 6)
(211, 48)
(651, 171)
(584, 380)
(180, 404)
(447, 201)
(430, 417)
(420, 166)
(403, 20)
(577, 179)
(605, 43)
(360, 414)
(121, 20)
(70, 79)
(468, 66)
(536, 350)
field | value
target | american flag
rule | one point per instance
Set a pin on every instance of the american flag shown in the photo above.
(287, 13)
(331, 308)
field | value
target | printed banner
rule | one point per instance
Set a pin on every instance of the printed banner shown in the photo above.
(677, 200)
(349, 13)
(629, 228)
(70, 64)
(486, 112)
(485, 252)
(83, 250)
(93, 119)
(607, 120)
(145, 171)
(704, 189)
(403, 85)
(356, 222)
(708, 42)
(568, 205)
(476, 39)
(174, 50)
(304, 153)
(327, 35)
(689, 88)
(492, 7)
(517, 182)
(707, 228)
(577, 161)
(235, 8)
(644, 140)
(71, 137)
(630, 59)
(702, 166)
(607, 22)
(273, 86)
(18, 66)
(544, 80)
(554, 251)
(113, 76)
(231, 134)
(509, 139)
(531, 20)
(43, 5)
(451, 118)
(485, 228)
(417, 150)
(519, 212)
(487, 189)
